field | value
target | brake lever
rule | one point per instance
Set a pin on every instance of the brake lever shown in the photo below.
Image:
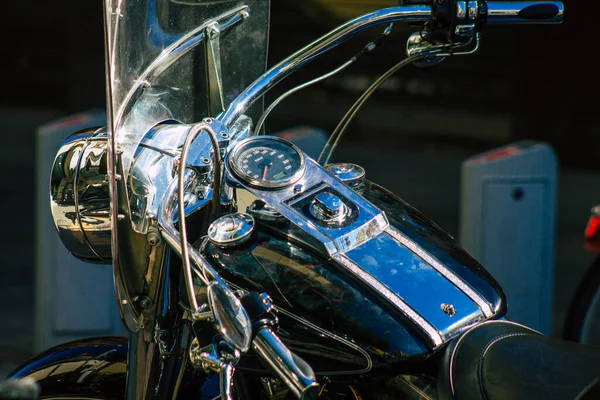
(297, 374)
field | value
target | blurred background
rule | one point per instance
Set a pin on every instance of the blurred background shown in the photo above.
(526, 82)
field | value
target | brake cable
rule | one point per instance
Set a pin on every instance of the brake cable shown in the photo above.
(349, 116)
(371, 46)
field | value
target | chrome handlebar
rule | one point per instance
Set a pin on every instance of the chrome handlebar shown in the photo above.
(297, 374)
(294, 371)
(524, 12)
(501, 12)
(418, 13)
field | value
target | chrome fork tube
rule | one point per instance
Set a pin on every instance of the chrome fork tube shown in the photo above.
(416, 13)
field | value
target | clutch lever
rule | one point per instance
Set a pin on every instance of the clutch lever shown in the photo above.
(218, 357)
(273, 353)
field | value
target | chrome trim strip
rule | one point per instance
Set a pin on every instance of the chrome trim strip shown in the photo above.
(426, 327)
(483, 305)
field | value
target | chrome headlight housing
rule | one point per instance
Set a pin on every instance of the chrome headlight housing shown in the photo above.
(80, 196)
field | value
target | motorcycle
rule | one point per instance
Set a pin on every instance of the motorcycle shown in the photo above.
(244, 268)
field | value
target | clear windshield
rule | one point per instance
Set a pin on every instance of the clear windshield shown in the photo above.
(157, 61)
(157, 67)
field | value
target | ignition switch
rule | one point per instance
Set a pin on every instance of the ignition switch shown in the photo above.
(328, 207)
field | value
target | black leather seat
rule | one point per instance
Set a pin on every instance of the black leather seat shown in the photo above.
(503, 360)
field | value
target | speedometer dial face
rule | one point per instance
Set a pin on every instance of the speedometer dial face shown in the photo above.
(267, 162)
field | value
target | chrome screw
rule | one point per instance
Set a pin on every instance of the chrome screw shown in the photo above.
(153, 238)
(448, 309)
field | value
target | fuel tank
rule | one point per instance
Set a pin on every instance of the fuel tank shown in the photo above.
(328, 316)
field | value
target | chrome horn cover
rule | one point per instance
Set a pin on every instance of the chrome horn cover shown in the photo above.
(80, 197)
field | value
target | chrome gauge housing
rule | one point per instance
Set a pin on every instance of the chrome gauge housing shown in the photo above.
(267, 162)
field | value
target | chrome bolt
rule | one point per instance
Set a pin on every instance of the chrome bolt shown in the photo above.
(224, 135)
(213, 30)
(205, 160)
(448, 309)
(153, 238)
(145, 302)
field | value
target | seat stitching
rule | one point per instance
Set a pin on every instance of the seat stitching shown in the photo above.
(485, 349)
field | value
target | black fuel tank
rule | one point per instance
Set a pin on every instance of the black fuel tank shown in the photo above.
(329, 317)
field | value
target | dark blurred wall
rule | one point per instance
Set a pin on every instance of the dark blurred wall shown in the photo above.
(557, 95)
(542, 79)
(55, 55)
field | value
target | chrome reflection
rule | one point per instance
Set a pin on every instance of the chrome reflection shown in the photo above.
(80, 198)
(231, 317)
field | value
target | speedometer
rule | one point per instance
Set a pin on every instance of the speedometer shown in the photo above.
(267, 162)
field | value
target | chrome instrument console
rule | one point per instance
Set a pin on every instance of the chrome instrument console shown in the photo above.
(357, 235)
(362, 222)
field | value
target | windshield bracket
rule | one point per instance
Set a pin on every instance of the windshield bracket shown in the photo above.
(214, 82)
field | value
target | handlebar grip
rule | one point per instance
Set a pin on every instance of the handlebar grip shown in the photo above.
(525, 12)
(294, 371)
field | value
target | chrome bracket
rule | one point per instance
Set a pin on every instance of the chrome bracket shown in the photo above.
(191, 40)
(214, 357)
(217, 358)
(418, 45)
(463, 38)
(214, 81)
(463, 49)
(212, 57)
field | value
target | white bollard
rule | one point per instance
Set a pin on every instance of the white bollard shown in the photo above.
(508, 223)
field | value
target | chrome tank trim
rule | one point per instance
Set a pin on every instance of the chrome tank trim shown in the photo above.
(433, 334)
(427, 292)
(483, 305)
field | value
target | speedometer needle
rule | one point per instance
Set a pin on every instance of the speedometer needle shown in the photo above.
(264, 177)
